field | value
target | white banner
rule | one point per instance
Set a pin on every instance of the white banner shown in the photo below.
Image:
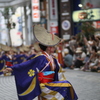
(53, 9)
(35, 10)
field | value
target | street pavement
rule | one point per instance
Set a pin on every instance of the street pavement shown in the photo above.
(86, 85)
(7, 88)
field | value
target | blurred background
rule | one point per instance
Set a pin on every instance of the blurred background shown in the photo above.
(61, 17)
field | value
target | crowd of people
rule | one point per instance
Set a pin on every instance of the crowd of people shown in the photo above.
(70, 53)
(73, 54)
(82, 55)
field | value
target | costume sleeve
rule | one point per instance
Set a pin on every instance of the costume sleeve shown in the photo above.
(38, 62)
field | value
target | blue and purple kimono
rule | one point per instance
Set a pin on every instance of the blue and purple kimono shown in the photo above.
(29, 86)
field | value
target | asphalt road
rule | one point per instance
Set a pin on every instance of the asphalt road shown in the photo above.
(86, 84)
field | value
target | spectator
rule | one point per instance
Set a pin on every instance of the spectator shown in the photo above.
(96, 64)
(68, 59)
(80, 57)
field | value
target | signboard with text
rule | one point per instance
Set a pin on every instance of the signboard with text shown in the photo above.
(65, 18)
(53, 9)
(54, 27)
(36, 10)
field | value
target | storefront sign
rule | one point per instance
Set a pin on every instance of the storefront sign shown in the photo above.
(53, 9)
(54, 27)
(84, 15)
(65, 25)
(66, 37)
(65, 19)
(35, 11)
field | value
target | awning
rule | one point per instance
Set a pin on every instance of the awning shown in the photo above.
(7, 3)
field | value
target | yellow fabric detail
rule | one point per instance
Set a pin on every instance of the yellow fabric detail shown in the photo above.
(1, 69)
(60, 69)
(1, 61)
(43, 94)
(52, 92)
(15, 62)
(58, 84)
(72, 92)
(30, 88)
(22, 58)
(31, 72)
(54, 98)
(51, 99)
(42, 84)
(4, 65)
(36, 56)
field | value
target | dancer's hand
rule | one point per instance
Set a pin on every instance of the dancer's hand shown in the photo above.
(7, 70)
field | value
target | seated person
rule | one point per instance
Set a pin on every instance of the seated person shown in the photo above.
(80, 56)
(68, 58)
